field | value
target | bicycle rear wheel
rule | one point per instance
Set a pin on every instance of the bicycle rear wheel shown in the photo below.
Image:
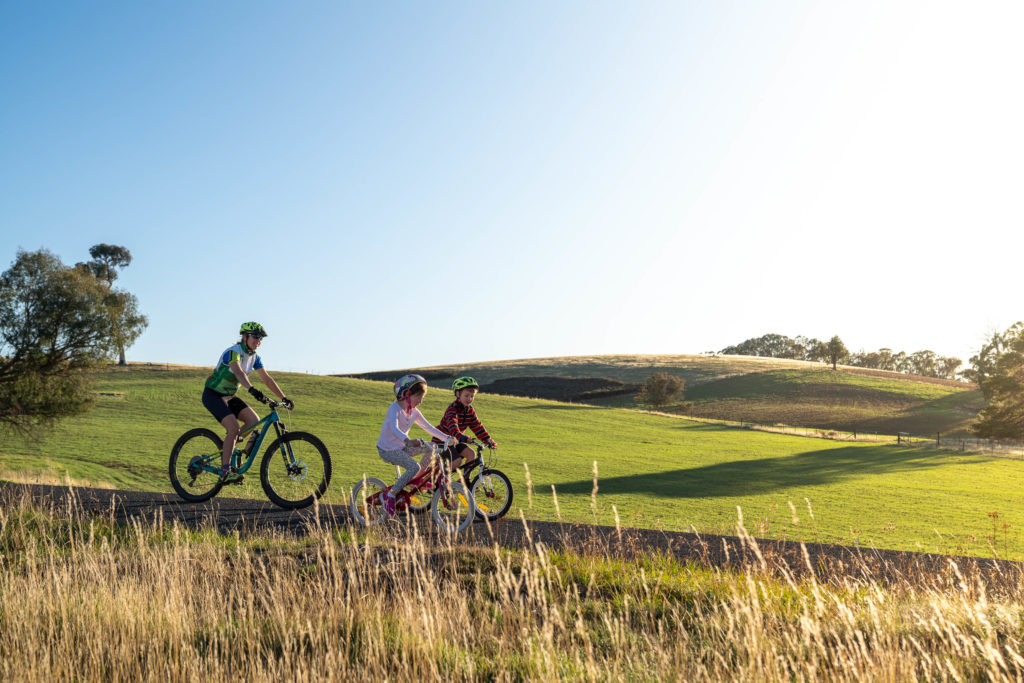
(492, 493)
(295, 470)
(452, 507)
(366, 506)
(195, 450)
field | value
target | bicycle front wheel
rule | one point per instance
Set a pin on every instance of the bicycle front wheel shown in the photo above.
(492, 493)
(295, 470)
(193, 456)
(452, 507)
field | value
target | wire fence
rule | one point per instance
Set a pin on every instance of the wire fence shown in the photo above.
(966, 444)
(949, 442)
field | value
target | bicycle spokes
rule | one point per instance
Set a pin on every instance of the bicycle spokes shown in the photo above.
(296, 471)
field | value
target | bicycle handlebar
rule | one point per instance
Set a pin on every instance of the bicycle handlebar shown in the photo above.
(437, 447)
(274, 405)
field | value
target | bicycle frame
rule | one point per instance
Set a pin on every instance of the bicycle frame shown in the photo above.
(434, 475)
(490, 462)
(271, 420)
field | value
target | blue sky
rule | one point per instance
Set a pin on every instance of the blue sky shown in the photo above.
(387, 185)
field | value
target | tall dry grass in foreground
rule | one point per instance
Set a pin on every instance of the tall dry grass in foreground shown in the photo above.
(85, 599)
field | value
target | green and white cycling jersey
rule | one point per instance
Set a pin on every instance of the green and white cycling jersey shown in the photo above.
(222, 380)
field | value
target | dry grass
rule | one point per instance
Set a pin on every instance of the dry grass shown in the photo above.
(85, 599)
(50, 477)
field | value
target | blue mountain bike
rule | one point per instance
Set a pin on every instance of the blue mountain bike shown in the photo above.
(295, 469)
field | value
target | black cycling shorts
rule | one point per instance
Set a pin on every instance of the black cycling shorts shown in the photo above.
(219, 408)
(452, 452)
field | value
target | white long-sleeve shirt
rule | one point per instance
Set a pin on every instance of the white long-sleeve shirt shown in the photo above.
(397, 423)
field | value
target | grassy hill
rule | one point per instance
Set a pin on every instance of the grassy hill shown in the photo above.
(654, 471)
(695, 369)
(738, 388)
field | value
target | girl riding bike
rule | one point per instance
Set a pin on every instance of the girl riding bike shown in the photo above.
(233, 368)
(394, 444)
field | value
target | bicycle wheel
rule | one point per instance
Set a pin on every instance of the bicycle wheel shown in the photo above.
(295, 470)
(452, 507)
(194, 450)
(492, 493)
(366, 507)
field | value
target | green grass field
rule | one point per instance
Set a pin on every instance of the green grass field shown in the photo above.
(653, 471)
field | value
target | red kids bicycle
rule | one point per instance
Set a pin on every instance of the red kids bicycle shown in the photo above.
(451, 503)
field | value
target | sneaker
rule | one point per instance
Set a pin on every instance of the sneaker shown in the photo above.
(388, 501)
(229, 475)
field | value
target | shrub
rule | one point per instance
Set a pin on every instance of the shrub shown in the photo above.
(661, 389)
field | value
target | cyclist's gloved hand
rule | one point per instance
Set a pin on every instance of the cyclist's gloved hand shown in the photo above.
(288, 403)
(451, 441)
(257, 394)
(491, 443)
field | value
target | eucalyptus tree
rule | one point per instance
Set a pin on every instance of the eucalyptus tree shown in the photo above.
(107, 262)
(55, 327)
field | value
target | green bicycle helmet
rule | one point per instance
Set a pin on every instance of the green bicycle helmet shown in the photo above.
(464, 383)
(253, 328)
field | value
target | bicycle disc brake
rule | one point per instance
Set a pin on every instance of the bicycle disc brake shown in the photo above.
(297, 470)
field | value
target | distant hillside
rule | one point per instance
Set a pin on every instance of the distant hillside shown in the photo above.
(841, 400)
(741, 388)
(695, 369)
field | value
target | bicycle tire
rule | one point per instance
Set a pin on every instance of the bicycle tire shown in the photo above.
(367, 514)
(201, 444)
(295, 470)
(491, 501)
(459, 515)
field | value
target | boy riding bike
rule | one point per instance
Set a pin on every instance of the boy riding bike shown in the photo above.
(233, 368)
(394, 444)
(458, 417)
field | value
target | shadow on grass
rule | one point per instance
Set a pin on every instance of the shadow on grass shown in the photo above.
(766, 475)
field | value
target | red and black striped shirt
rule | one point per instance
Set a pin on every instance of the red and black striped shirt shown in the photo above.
(457, 418)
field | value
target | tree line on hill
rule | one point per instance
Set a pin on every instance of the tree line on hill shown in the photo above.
(925, 363)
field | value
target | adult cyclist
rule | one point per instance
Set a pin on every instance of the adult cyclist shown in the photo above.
(233, 368)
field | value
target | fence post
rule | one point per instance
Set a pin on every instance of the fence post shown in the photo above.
(938, 438)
